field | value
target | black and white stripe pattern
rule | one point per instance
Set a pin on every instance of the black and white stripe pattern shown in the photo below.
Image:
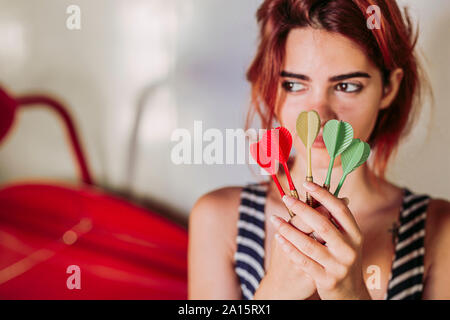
(406, 281)
(249, 256)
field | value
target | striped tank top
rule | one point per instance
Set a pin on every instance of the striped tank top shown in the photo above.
(406, 278)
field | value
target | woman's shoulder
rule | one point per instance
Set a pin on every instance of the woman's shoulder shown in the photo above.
(224, 202)
(219, 209)
(218, 204)
(439, 207)
(437, 240)
(437, 229)
(437, 216)
(213, 219)
(438, 219)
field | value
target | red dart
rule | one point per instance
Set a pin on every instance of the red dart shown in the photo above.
(284, 149)
(266, 158)
(259, 153)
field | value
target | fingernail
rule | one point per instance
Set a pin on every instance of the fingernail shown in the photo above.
(288, 200)
(346, 201)
(275, 220)
(280, 240)
(311, 186)
(278, 237)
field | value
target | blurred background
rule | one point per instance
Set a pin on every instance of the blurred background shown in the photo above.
(196, 53)
(138, 69)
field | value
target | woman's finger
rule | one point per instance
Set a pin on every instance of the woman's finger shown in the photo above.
(345, 200)
(298, 223)
(322, 210)
(305, 244)
(320, 224)
(336, 207)
(306, 264)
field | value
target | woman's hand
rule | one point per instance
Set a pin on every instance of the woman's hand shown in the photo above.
(298, 222)
(284, 280)
(335, 266)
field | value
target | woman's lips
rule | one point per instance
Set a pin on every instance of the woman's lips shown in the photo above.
(319, 143)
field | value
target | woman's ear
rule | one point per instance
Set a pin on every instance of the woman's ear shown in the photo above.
(390, 89)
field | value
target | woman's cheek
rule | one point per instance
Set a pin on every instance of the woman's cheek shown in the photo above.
(364, 112)
(362, 122)
(360, 111)
(356, 111)
(289, 113)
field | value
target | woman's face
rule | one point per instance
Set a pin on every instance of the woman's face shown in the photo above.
(330, 74)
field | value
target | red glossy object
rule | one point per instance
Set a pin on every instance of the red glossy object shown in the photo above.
(275, 145)
(8, 108)
(285, 143)
(263, 158)
(263, 154)
(123, 251)
(284, 150)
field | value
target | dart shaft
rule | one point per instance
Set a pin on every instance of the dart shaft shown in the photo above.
(309, 169)
(288, 176)
(341, 182)
(309, 177)
(277, 183)
(330, 169)
(280, 189)
(309, 199)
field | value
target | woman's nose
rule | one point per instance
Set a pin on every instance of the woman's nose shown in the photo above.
(320, 103)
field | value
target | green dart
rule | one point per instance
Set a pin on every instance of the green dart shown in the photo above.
(337, 135)
(354, 156)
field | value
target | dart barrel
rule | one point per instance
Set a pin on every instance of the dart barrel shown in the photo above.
(309, 199)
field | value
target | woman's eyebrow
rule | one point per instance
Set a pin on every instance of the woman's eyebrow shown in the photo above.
(340, 77)
(349, 75)
(295, 75)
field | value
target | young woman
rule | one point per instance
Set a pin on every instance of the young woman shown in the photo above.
(391, 243)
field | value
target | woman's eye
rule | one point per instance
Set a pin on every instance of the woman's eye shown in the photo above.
(348, 87)
(292, 86)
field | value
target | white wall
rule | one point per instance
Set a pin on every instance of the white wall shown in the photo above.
(199, 51)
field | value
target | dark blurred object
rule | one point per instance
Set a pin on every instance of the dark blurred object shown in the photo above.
(9, 105)
(123, 251)
(8, 108)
